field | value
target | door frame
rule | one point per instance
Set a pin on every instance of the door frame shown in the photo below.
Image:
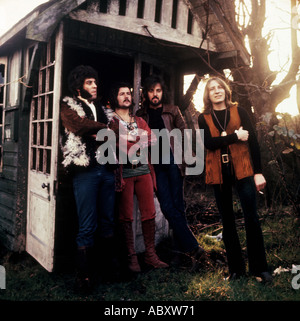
(41, 251)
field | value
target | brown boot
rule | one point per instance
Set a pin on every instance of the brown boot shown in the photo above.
(151, 257)
(133, 263)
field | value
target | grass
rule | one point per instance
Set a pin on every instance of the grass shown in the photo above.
(26, 280)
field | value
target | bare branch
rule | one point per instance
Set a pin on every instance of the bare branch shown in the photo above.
(257, 80)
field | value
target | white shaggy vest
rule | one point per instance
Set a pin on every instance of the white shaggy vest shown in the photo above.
(74, 149)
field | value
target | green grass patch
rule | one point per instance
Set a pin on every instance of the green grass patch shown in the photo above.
(26, 280)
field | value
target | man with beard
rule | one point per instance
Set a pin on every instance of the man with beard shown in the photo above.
(93, 184)
(137, 176)
(169, 175)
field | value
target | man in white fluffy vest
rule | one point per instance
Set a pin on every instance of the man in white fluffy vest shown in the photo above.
(93, 184)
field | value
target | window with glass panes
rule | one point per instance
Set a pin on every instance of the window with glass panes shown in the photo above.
(42, 113)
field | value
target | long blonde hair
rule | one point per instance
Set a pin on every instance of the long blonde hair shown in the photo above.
(228, 94)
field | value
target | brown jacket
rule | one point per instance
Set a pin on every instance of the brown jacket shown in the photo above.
(172, 118)
(239, 151)
(78, 145)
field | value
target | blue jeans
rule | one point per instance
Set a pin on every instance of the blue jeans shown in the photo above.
(94, 191)
(170, 196)
(255, 244)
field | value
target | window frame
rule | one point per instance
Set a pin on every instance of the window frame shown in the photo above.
(13, 75)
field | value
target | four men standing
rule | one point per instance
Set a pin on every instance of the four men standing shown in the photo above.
(94, 184)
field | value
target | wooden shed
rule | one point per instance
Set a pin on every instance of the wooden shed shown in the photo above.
(121, 39)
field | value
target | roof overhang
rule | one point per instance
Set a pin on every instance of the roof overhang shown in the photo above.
(43, 26)
(220, 22)
(40, 24)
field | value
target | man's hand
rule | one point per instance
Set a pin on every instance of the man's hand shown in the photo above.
(260, 181)
(242, 134)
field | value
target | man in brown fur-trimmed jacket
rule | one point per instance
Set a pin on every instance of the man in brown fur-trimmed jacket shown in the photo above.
(93, 183)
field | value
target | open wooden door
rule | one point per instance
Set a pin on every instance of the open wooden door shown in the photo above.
(43, 149)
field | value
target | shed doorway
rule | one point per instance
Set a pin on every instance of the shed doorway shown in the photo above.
(110, 68)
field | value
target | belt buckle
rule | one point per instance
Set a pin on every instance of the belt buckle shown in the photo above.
(225, 158)
(134, 164)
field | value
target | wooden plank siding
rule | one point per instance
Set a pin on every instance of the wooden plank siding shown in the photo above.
(13, 179)
(132, 22)
(149, 11)
(182, 15)
(92, 37)
(7, 212)
(7, 236)
(156, 15)
(8, 194)
(7, 200)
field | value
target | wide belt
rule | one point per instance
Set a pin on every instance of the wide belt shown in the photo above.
(225, 158)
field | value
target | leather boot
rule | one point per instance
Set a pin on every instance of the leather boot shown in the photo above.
(83, 281)
(151, 257)
(108, 259)
(132, 259)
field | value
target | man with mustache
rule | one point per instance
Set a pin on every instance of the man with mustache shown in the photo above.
(160, 115)
(137, 176)
(93, 184)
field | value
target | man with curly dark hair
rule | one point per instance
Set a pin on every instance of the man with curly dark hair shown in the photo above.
(93, 183)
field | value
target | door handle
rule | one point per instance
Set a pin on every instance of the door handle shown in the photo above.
(46, 186)
(48, 189)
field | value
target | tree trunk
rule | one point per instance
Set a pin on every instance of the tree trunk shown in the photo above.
(256, 80)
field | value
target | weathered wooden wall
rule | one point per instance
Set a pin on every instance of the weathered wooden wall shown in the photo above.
(169, 20)
(13, 178)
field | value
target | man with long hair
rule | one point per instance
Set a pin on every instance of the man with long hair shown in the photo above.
(233, 158)
(93, 184)
(170, 175)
